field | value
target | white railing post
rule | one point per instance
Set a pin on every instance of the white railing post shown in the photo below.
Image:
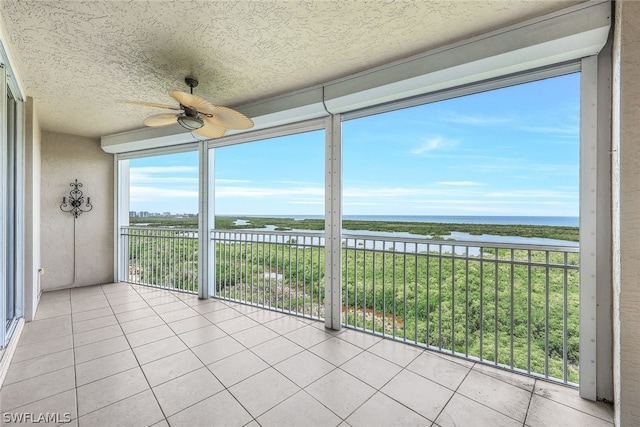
(333, 223)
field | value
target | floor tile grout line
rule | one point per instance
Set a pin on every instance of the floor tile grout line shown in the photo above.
(269, 365)
(142, 371)
(483, 404)
(33, 359)
(75, 371)
(279, 334)
(567, 406)
(205, 366)
(454, 393)
(379, 389)
(526, 414)
(225, 388)
(501, 380)
(36, 401)
(114, 403)
(44, 373)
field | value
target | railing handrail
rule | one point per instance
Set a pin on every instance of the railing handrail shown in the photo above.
(184, 230)
(472, 243)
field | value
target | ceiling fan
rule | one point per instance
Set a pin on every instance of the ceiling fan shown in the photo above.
(197, 114)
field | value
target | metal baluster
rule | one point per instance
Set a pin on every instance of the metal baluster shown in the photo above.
(373, 273)
(546, 316)
(565, 313)
(440, 297)
(404, 290)
(355, 284)
(466, 302)
(453, 299)
(364, 286)
(416, 260)
(393, 272)
(320, 288)
(529, 310)
(428, 339)
(384, 293)
(495, 308)
(480, 310)
(512, 307)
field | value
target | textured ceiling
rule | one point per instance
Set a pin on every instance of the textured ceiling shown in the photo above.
(78, 58)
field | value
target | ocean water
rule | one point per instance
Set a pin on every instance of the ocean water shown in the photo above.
(567, 221)
(521, 220)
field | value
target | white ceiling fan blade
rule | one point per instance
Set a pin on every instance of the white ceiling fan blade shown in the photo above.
(161, 120)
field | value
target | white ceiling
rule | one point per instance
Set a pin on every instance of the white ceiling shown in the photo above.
(78, 58)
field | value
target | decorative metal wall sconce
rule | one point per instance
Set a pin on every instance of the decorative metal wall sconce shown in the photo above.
(76, 203)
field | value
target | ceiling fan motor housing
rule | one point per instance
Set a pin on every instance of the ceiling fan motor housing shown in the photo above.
(191, 119)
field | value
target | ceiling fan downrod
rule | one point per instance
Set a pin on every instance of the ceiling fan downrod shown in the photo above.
(191, 82)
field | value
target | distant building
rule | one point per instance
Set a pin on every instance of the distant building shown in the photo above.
(143, 214)
(166, 213)
(133, 214)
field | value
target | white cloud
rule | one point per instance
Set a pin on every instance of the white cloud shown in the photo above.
(164, 169)
(573, 130)
(163, 180)
(164, 175)
(153, 194)
(232, 181)
(460, 183)
(533, 194)
(474, 120)
(258, 192)
(388, 192)
(434, 144)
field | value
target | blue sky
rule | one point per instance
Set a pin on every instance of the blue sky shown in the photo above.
(512, 151)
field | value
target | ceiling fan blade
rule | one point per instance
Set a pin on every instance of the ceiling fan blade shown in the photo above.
(210, 129)
(191, 101)
(231, 119)
(151, 104)
(161, 120)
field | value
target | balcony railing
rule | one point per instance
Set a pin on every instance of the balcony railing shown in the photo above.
(161, 257)
(282, 271)
(509, 305)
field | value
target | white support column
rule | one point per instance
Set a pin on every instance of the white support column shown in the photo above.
(121, 215)
(203, 221)
(588, 226)
(3, 206)
(604, 370)
(333, 222)
(212, 222)
(20, 209)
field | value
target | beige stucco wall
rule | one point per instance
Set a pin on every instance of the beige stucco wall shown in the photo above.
(626, 212)
(32, 261)
(64, 159)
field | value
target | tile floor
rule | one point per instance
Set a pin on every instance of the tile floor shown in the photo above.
(118, 355)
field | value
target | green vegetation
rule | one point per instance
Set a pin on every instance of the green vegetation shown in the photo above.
(420, 228)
